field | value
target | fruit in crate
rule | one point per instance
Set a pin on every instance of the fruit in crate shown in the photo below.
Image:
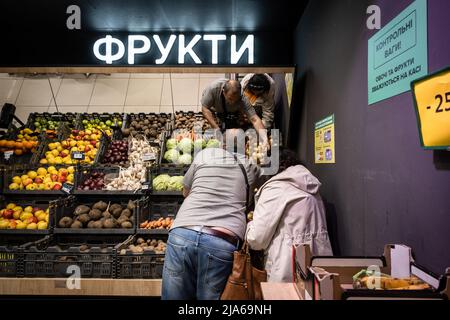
(14, 216)
(93, 181)
(100, 215)
(149, 245)
(117, 153)
(161, 223)
(43, 179)
(25, 142)
(151, 125)
(104, 124)
(60, 152)
(191, 120)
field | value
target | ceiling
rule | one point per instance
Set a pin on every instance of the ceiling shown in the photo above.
(155, 15)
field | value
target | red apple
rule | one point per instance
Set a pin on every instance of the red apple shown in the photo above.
(75, 132)
(38, 180)
(8, 214)
(81, 133)
(57, 186)
(87, 148)
(31, 220)
(27, 182)
(93, 143)
(62, 179)
(54, 177)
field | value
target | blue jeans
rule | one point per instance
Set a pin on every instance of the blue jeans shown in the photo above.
(196, 266)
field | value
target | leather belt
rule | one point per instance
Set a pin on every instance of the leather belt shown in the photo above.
(234, 240)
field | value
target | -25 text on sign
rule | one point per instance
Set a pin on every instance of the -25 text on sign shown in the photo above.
(432, 103)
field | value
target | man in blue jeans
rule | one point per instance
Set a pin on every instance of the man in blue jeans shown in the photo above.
(209, 226)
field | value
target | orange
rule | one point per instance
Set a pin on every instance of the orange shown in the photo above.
(19, 145)
(18, 152)
(10, 144)
(3, 143)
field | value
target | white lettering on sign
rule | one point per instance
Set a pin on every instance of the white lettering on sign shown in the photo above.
(74, 20)
(108, 57)
(247, 45)
(215, 45)
(110, 49)
(132, 50)
(164, 50)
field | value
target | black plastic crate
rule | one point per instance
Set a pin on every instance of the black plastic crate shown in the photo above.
(65, 208)
(35, 203)
(171, 170)
(83, 173)
(102, 117)
(10, 261)
(51, 258)
(19, 171)
(145, 265)
(151, 116)
(150, 210)
(71, 119)
(11, 254)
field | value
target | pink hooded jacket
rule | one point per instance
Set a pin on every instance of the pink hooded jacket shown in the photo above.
(289, 211)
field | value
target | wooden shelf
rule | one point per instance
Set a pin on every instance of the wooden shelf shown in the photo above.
(88, 287)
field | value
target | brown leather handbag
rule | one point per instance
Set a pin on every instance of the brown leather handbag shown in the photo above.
(244, 282)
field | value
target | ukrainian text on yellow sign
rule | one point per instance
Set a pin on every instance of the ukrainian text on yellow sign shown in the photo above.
(432, 102)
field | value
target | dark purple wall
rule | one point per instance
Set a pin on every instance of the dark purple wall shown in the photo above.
(384, 187)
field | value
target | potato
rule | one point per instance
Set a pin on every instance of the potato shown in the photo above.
(117, 212)
(126, 225)
(84, 218)
(76, 225)
(65, 222)
(95, 214)
(81, 209)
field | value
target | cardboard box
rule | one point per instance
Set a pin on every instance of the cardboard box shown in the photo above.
(331, 278)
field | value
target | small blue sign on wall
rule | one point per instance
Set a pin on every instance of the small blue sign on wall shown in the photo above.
(398, 53)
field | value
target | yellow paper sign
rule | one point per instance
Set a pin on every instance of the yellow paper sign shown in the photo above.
(324, 141)
(432, 102)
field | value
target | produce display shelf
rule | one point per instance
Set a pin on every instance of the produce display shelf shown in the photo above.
(88, 287)
(94, 231)
(141, 231)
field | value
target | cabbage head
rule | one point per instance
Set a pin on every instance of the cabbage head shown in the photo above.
(213, 143)
(185, 145)
(161, 182)
(171, 155)
(199, 144)
(175, 183)
(185, 159)
(171, 144)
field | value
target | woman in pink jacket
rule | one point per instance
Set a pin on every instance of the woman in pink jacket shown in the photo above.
(289, 211)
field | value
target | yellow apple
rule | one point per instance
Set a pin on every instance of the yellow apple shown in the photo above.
(42, 216)
(11, 206)
(41, 171)
(21, 225)
(32, 174)
(32, 226)
(4, 224)
(14, 186)
(43, 161)
(17, 180)
(42, 225)
(25, 215)
(71, 169)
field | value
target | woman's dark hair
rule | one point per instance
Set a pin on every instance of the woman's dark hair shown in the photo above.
(288, 158)
(259, 82)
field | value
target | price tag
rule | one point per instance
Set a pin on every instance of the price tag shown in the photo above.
(78, 155)
(67, 188)
(145, 186)
(8, 154)
(432, 103)
(148, 157)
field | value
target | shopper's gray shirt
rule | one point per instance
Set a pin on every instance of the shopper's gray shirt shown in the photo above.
(217, 192)
(211, 98)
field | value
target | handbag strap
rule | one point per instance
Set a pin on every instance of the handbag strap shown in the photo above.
(247, 186)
